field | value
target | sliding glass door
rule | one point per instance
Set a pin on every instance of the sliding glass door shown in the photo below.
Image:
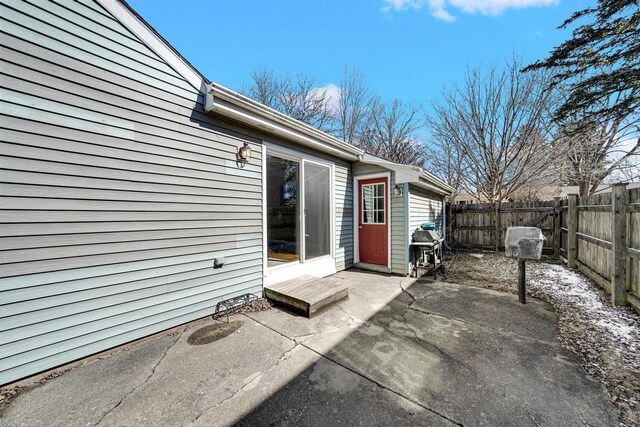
(317, 210)
(298, 209)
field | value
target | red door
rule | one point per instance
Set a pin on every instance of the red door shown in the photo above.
(374, 221)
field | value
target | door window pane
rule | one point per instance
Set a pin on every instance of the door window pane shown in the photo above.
(282, 211)
(373, 204)
(317, 205)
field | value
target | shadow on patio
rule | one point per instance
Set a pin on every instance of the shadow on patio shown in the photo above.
(431, 353)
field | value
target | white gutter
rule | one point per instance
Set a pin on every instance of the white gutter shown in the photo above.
(226, 102)
(433, 188)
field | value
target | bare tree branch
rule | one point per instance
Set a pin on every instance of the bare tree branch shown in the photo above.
(298, 97)
(498, 125)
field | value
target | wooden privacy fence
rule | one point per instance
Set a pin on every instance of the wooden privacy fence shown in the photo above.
(601, 237)
(483, 225)
(599, 234)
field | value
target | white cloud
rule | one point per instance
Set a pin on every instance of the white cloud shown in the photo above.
(332, 92)
(438, 8)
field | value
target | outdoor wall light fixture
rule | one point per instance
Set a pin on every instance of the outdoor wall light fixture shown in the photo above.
(244, 153)
(397, 191)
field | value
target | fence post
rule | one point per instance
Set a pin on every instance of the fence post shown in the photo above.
(557, 224)
(572, 229)
(619, 201)
(497, 215)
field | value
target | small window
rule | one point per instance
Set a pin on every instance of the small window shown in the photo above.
(373, 204)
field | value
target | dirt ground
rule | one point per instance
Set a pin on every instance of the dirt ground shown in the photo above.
(606, 339)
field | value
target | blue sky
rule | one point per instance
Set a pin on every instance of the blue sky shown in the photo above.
(408, 49)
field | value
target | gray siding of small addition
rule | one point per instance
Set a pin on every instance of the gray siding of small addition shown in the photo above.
(117, 192)
(399, 241)
(344, 215)
(424, 206)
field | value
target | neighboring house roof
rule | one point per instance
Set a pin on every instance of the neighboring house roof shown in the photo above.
(565, 190)
(410, 174)
(544, 193)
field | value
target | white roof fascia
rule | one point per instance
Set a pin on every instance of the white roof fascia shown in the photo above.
(411, 174)
(435, 189)
(227, 102)
(126, 16)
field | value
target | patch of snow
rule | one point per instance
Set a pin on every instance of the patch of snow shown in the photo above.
(557, 281)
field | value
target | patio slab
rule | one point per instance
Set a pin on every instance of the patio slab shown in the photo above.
(396, 352)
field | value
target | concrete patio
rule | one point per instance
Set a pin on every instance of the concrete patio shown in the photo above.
(396, 352)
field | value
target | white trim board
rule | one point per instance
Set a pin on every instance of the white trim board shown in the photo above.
(408, 259)
(263, 181)
(319, 267)
(127, 17)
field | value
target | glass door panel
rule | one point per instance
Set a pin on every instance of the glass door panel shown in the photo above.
(317, 206)
(373, 205)
(283, 215)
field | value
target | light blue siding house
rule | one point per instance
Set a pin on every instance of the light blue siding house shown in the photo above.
(121, 184)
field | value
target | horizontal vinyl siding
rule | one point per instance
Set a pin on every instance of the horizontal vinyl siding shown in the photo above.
(365, 169)
(116, 192)
(344, 216)
(398, 232)
(424, 206)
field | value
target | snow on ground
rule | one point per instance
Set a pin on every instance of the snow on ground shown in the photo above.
(606, 339)
(571, 286)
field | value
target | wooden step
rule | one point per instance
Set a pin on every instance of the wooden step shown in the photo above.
(306, 295)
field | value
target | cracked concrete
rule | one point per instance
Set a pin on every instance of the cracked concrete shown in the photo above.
(153, 371)
(396, 352)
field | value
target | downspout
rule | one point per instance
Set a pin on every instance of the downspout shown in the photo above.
(444, 218)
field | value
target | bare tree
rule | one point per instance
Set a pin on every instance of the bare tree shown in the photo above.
(391, 132)
(498, 122)
(299, 97)
(387, 129)
(599, 148)
(444, 160)
(264, 88)
(353, 107)
(629, 170)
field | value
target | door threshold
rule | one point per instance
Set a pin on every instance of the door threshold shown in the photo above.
(372, 267)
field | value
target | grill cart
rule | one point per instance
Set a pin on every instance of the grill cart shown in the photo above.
(427, 252)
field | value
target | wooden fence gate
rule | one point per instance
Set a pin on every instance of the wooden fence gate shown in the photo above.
(599, 234)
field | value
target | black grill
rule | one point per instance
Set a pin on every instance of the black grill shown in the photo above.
(427, 252)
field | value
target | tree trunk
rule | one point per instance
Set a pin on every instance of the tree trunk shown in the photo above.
(584, 187)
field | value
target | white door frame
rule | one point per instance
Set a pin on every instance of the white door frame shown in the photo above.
(321, 266)
(356, 214)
